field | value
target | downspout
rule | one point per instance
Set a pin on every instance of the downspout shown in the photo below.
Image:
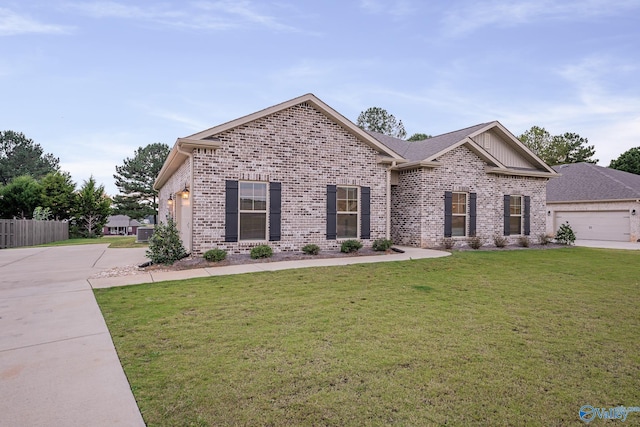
(388, 236)
(189, 154)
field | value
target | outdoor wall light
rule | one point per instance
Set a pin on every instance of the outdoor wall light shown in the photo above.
(185, 192)
(633, 212)
(548, 213)
(170, 201)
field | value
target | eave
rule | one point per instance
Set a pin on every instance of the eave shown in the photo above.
(558, 202)
(418, 165)
(178, 154)
(520, 172)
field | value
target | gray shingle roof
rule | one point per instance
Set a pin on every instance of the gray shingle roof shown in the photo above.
(121, 221)
(420, 150)
(586, 181)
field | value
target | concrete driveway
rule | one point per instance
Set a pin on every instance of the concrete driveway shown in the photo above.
(633, 246)
(58, 365)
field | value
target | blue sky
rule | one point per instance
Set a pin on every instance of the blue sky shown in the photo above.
(91, 81)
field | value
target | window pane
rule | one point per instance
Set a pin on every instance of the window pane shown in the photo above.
(260, 205)
(347, 199)
(347, 226)
(514, 225)
(352, 206)
(342, 205)
(253, 196)
(459, 203)
(246, 189)
(253, 226)
(516, 205)
(342, 193)
(246, 203)
(458, 226)
(352, 193)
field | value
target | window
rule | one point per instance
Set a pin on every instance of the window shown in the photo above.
(253, 210)
(459, 214)
(347, 212)
(515, 215)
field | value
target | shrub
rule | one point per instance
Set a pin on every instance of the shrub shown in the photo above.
(382, 244)
(523, 241)
(499, 241)
(261, 251)
(448, 243)
(215, 255)
(565, 234)
(165, 246)
(311, 249)
(475, 242)
(349, 246)
(543, 239)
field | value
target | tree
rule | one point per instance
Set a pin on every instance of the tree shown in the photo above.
(419, 137)
(58, 194)
(19, 156)
(377, 119)
(91, 209)
(629, 161)
(20, 197)
(135, 180)
(165, 246)
(560, 149)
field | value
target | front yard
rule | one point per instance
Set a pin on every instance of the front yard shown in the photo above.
(478, 338)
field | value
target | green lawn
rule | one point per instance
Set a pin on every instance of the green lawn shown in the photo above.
(113, 241)
(478, 338)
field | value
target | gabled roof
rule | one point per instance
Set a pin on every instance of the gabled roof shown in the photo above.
(206, 138)
(427, 151)
(589, 182)
(121, 221)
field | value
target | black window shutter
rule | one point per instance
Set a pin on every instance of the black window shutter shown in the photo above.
(331, 212)
(365, 213)
(231, 212)
(527, 211)
(507, 213)
(448, 213)
(275, 211)
(472, 214)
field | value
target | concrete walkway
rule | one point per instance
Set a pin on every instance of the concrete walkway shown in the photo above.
(609, 245)
(161, 276)
(58, 365)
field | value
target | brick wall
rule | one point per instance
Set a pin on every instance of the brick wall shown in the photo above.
(303, 150)
(418, 199)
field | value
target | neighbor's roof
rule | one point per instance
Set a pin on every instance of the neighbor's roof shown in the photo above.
(121, 221)
(589, 182)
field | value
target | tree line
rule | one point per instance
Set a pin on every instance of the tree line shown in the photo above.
(33, 186)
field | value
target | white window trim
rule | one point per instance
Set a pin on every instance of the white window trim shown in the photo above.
(357, 212)
(465, 215)
(265, 211)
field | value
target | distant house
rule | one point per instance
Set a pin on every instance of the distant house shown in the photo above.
(299, 172)
(599, 203)
(120, 225)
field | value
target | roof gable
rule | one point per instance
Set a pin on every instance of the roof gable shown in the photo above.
(589, 182)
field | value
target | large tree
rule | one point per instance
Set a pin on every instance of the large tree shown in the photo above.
(19, 156)
(629, 161)
(419, 137)
(58, 194)
(91, 209)
(560, 149)
(377, 119)
(20, 197)
(135, 180)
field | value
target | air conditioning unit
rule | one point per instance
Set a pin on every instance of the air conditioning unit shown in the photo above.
(144, 234)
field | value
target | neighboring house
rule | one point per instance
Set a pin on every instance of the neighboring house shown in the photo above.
(599, 203)
(299, 172)
(120, 225)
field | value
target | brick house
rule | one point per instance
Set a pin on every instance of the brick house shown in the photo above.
(299, 172)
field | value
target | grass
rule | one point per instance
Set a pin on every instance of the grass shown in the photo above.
(478, 338)
(113, 241)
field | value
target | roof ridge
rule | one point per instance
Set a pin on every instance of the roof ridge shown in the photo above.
(458, 130)
(601, 170)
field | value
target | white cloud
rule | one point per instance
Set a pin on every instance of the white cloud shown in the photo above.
(12, 24)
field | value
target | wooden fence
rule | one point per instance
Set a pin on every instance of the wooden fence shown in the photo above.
(15, 233)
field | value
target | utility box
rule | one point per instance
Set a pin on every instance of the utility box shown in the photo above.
(143, 234)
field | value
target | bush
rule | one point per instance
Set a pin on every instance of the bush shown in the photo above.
(523, 241)
(543, 239)
(382, 244)
(565, 234)
(165, 246)
(499, 241)
(261, 251)
(448, 243)
(215, 255)
(311, 249)
(349, 246)
(475, 242)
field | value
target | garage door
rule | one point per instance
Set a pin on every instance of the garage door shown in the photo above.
(597, 225)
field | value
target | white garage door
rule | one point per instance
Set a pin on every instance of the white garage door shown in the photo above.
(597, 225)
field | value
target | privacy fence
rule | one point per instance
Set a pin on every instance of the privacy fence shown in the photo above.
(15, 233)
